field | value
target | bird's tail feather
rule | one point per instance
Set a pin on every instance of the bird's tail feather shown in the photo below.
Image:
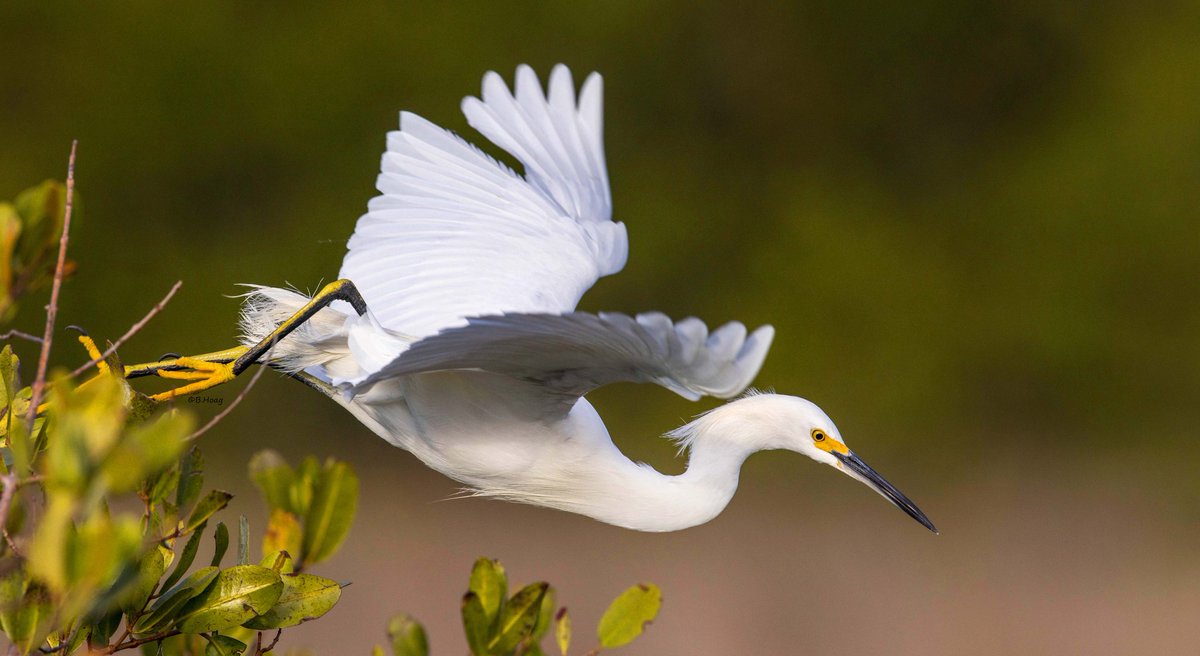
(320, 342)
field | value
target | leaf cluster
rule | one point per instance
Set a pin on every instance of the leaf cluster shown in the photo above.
(312, 506)
(30, 227)
(497, 624)
(83, 575)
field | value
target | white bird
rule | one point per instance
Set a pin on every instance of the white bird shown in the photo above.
(462, 345)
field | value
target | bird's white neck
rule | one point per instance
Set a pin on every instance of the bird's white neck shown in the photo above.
(636, 496)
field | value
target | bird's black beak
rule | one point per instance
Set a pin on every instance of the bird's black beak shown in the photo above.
(863, 472)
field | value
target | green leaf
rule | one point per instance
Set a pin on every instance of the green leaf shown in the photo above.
(191, 478)
(12, 591)
(145, 450)
(628, 615)
(301, 493)
(490, 584)
(223, 645)
(10, 231)
(41, 209)
(518, 618)
(221, 538)
(185, 558)
(8, 375)
(305, 597)
(278, 560)
(274, 477)
(545, 614)
(475, 624)
(30, 623)
(103, 629)
(334, 501)
(165, 608)
(151, 567)
(89, 421)
(407, 636)
(211, 503)
(51, 543)
(562, 630)
(237, 595)
(158, 487)
(75, 639)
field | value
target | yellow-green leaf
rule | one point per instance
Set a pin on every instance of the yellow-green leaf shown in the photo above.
(8, 376)
(186, 558)
(305, 597)
(211, 503)
(475, 624)
(490, 584)
(168, 604)
(274, 477)
(191, 478)
(518, 618)
(628, 615)
(223, 645)
(278, 560)
(545, 615)
(562, 630)
(151, 567)
(41, 209)
(30, 623)
(283, 532)
(10, 230)
(334, 501)
(48, 552)
(407, 636)
(145, 450)
(237, 595)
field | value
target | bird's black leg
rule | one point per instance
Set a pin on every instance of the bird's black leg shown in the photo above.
(211, 369)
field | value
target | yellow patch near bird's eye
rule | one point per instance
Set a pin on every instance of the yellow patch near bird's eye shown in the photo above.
(825, 442)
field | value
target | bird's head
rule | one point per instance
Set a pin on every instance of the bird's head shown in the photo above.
(761, 421)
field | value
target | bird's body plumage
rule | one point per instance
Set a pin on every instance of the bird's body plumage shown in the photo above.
(471, 355)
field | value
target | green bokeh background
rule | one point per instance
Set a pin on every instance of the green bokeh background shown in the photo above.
(973, 224)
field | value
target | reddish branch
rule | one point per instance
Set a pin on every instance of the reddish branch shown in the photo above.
(39, 383)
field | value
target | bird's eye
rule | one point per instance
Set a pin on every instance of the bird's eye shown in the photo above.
(818, 435)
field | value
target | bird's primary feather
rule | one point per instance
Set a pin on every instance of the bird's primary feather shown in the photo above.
(574, 353)
(456, 234)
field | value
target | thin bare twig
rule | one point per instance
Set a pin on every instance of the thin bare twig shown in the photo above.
(25, 336)
(138, 642)
(9, 481)
(132, 330)
(39, 383)
(236, 400)
(12, 546)
(258, 647)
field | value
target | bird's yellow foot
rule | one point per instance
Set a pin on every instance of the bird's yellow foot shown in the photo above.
(93, 352)
(205, 375)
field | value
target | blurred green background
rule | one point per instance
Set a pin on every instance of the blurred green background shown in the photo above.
(973, 224)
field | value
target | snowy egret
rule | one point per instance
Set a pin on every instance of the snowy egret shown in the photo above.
(459, 342)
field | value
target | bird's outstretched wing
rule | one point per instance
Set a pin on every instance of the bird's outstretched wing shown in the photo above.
(457, 234)
(574, 353)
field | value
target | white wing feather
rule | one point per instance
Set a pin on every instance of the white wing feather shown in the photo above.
(574, 353)
(456, 234)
